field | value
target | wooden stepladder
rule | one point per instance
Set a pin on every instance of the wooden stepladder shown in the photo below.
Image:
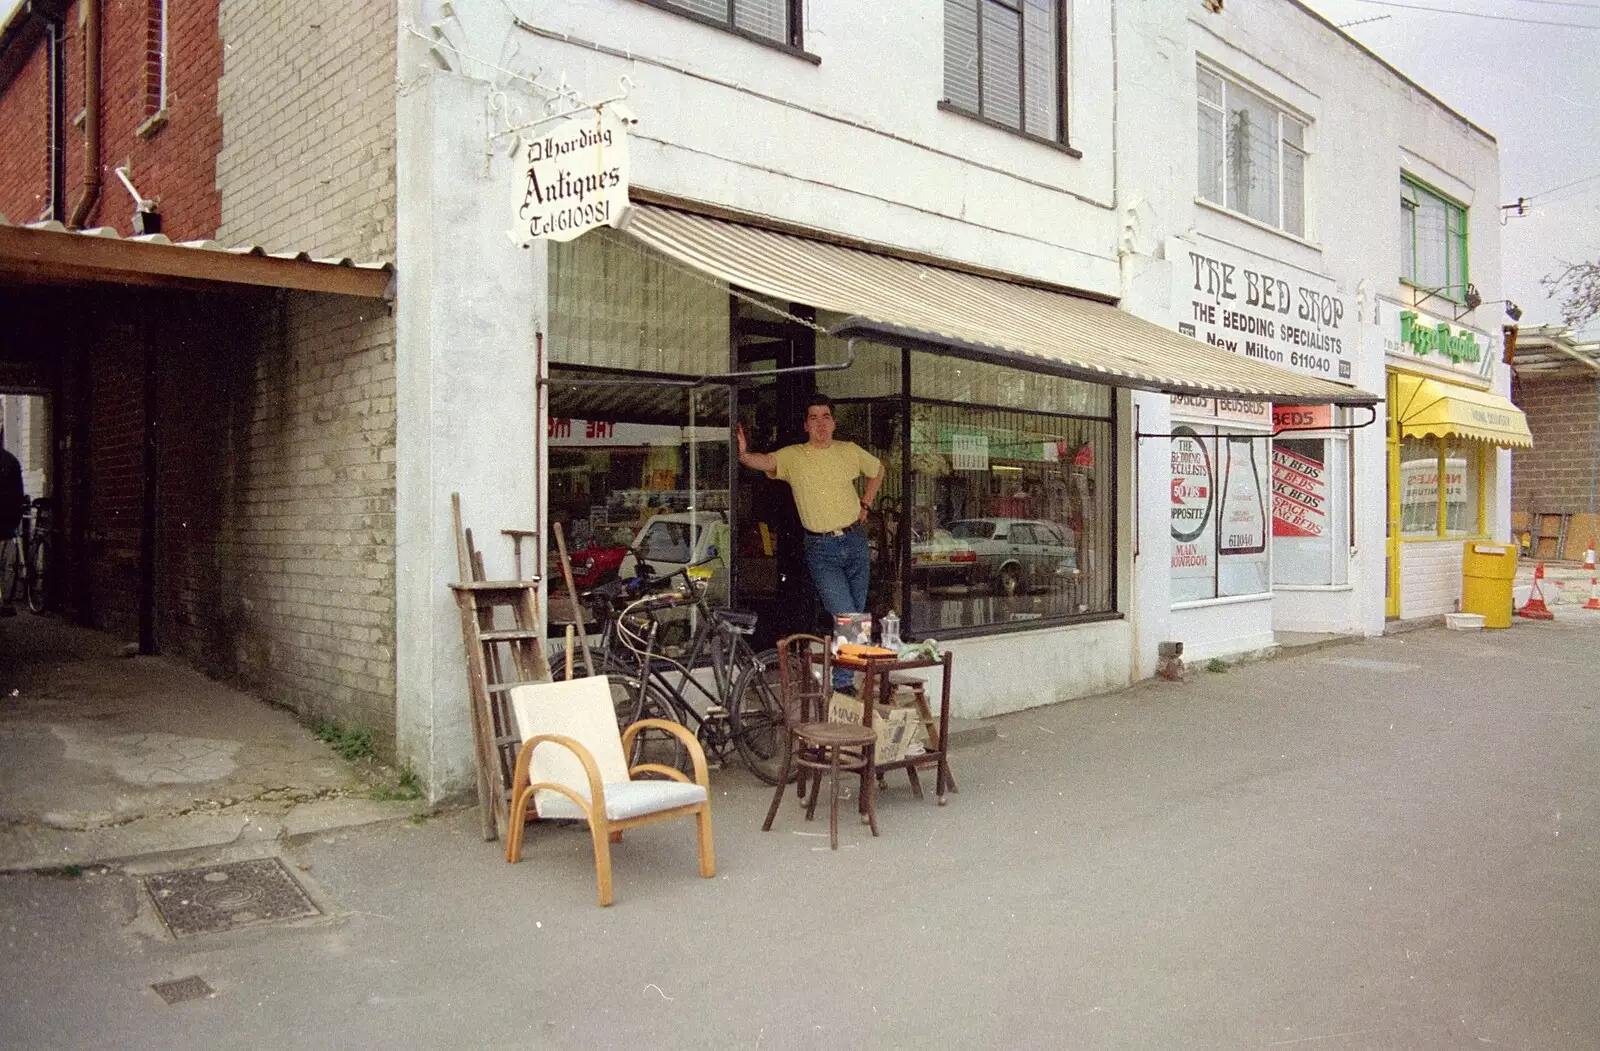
(504, 649)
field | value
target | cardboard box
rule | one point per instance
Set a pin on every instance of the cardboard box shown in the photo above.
(853, 627)
(898, 729)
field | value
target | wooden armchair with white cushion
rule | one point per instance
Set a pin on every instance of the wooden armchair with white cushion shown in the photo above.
(572, 765)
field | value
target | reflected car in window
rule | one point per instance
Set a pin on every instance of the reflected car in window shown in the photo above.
(1012, 556)
(940, 561)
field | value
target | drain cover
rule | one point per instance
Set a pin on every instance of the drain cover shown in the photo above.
(181, 989)
(223, 897)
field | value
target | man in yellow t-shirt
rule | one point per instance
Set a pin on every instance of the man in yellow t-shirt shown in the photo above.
(823, 472)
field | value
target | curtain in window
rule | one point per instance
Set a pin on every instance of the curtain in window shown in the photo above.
(616, 305)
(768, 18)
(1432, 265)
(961, 53)
(1000, 60)
(1211, 137)
(1294, 177)
(1252, 156)
(1040, 54)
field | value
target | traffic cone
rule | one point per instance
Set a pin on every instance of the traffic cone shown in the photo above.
(1535, 608)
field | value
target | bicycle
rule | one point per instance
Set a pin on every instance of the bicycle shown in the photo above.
(739, 711)
(24, 557)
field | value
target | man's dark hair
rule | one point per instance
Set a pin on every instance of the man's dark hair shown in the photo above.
(820, 399)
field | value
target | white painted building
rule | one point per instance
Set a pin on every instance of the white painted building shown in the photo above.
(1268, 151)
(981, 203)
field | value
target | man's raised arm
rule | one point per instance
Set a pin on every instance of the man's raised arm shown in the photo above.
(766, 463)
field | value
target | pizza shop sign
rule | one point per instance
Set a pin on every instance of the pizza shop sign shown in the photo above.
(576, 179)
(1416, 337)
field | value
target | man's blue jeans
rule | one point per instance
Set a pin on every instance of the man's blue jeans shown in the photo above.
(839, 567)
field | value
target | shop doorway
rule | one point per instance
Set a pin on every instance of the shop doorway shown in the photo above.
(769, 571)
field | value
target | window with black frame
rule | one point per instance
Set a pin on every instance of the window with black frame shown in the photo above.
(774, 20)
(1010, 507)
(1002, 62)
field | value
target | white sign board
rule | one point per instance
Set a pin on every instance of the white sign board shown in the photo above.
(969, 452)
(576, 179)
(1263, 309)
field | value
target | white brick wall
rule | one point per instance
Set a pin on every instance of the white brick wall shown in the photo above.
(1430, 578)
(308, 126)
(315, 537)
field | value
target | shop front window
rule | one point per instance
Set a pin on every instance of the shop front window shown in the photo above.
(1219, 494)
(642, 467)
(1010, 508)
(1423, 463)
(1310, 511)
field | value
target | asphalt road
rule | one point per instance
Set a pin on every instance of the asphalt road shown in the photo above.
(1389, 844)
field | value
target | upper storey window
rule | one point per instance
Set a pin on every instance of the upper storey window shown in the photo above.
(774, 20)
(1003, 62)
(1433, 241)
(1252, 154)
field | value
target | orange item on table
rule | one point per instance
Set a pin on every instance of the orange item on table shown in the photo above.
(855, 649)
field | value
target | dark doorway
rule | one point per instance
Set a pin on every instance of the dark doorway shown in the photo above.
(769, 571)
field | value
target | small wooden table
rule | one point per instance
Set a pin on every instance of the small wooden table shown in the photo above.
(877, 671)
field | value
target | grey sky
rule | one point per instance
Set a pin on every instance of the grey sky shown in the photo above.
(1536, 88)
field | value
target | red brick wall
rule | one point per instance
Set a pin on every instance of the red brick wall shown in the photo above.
(25, 131)
(176, 163)
(1556, 475)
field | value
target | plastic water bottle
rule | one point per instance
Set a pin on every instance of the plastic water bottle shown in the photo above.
(891, 631)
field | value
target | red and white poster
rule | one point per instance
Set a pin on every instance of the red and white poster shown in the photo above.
(1193, 500)
(1299, 491)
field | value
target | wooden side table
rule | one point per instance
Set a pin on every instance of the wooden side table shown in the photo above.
(877, 689)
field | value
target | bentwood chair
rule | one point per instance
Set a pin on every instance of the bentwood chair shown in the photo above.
(815, 745)
(572, 765)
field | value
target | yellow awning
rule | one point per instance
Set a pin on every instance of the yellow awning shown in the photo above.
(1434, 408)
(905, 302)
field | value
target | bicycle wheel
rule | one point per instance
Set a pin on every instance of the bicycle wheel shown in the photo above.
(41, 549)
(11, 576)
(756, 718)
(650, 745)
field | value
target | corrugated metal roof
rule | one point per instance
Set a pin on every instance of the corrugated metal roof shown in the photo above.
(1550, 350)
(904, 302)
(48, 252)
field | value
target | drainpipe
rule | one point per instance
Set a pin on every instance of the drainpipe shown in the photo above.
(58, 124)
(91, 116)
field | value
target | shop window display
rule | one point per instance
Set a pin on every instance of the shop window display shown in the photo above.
(1219, 507)
(1010, 510)
(1310, 511)
(1423, 461)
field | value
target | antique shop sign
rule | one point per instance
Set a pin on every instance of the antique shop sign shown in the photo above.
(576, 179)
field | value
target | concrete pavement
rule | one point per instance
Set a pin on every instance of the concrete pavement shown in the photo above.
(1387, 844)
(105, 757)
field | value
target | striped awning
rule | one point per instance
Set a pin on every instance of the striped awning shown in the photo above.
(904, 302)
(1427, 408)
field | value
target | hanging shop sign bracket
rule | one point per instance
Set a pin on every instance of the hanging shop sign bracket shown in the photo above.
(725, 379)
(1372, 417)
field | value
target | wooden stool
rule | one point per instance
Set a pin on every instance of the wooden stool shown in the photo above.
(816, 745)
(917, 688)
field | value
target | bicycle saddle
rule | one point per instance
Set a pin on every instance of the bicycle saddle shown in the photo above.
(738, 620)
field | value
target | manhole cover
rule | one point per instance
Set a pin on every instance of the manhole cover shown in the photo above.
(1369, 665)
(222, 897)
(181, 989)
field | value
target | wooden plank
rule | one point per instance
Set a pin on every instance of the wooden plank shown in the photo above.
(572, 591)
